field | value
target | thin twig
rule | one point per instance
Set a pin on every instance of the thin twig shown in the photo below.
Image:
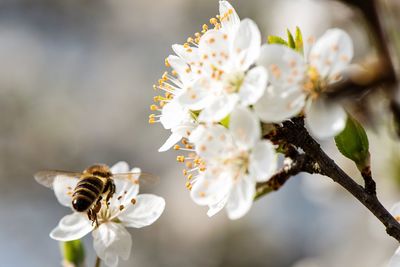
(295, 133)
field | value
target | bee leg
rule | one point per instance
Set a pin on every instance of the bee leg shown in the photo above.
(111, 191)
(96, 210)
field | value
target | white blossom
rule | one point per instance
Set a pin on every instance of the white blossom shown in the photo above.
(236, 159)
(111, 240)
(227, 78)
(299, 84)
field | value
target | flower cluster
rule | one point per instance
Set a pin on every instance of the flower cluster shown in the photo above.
(223, 85)
(125, 209)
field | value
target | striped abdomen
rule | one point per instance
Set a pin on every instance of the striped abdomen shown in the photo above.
(87, 192)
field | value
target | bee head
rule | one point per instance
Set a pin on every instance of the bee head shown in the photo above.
(101, 170)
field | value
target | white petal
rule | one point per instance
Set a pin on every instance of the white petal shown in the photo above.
(125, 191)
(275, 106)
(253, 86)
(331, 53)
(211, 141)
(188, 55)
(63, 188)
(286, 68)
(181, 67)
(241, 198)
(263, 161)
(198, 95)
(110, 241)
(395, 260)
(211, 188)
(217, 207)
(120, 167)
(325, 119)
(173, 114)
(170, 142)
(230, 19)
(245, 127)
(72, 227)
(145, 211)
(220, 108)
(214, 46)
(247, 44)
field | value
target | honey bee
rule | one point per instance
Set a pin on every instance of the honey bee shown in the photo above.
(95, 183)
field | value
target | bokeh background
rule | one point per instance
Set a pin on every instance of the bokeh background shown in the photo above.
(75, 88)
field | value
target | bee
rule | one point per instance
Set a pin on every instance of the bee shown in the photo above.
(95, 183)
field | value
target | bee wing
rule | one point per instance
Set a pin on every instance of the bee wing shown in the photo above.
(138, 177)
(46, 178)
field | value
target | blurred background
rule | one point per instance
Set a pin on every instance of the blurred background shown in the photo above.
(75, 88)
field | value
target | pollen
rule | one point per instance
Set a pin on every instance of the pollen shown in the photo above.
(188, 185)
(121, 207)
(154, 107)
(167, 63)
(119, 198)
(133, 201)
(180, 158)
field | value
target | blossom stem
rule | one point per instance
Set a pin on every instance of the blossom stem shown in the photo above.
(295, 133)
(98, 262)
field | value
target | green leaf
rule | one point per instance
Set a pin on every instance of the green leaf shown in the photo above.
(276, 40)
(299, 41)
(291, 42)
(352, 142)
(225, 121)
(73, 252)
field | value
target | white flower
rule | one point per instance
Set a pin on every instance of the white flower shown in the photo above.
(236, 159)
(127, 209)
(297, 84)
(226, 54)
(395, 260)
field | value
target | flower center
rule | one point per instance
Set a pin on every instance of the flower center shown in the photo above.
(314, 85)
(240, 164)
(233, 82)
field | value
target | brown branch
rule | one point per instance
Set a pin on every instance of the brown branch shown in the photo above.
(295, 133)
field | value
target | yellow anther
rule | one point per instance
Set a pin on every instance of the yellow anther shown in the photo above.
(154, 107)
(190, 176)
(186, 45)
(189, 164)
(167, 63)
(197, 35)
(188, 185)
(213, 21)
(165, 76)
(177, 147)
(154, 87)
(152, 120)
(190, 40)
(174, 73)
(184, 171)
(152, 116)
(205, 27)
(180, 158)
(189, 146)
(202, 168)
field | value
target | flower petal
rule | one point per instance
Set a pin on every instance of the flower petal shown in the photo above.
(197, 96)
(145, 211)
(229, 18)
(170, 142)
(286, 67)
(332, 53)
(110, 241)
(181, 68)
(214, 49)
(247, 44)
(245, 127)
(263, 161)
(325, 119)
(219, 108)
(173, 114)
(241, 198)
(188, 55)
(253, 86)
(211, 188)
(71, 227)
(120, 167)
(63, 188)
(275, 106)
(125, 191)
(217, 207)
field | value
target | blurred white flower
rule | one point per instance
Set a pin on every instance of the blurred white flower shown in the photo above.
(127, 209)
(298, 84)
(226, 55)
(236, 159)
